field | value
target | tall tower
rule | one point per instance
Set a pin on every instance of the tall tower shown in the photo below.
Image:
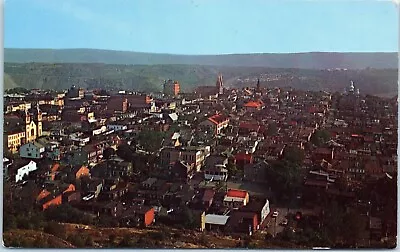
(351, 89)
(38, 120)
(171, 88)
(220, 84)
(258, 85)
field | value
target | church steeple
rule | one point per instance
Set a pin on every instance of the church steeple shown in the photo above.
(220, 84)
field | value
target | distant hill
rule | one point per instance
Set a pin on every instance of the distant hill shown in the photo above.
(149, 78)
(313, 60)
(9, 82)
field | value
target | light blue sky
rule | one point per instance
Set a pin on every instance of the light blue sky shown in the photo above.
(203, 26)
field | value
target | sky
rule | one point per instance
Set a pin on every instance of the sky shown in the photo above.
(201, 27)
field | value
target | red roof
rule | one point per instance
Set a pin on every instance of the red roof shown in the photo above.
(249, 126)
(324, 151)
(208, 195)
(243, 156)
(254, 104)
(55, 167)
(217, 119)
(236, 193)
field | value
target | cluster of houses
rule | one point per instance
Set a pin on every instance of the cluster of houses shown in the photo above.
(58, 140)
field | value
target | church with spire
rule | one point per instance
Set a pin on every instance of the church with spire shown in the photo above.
(220, 84)
(22, 127)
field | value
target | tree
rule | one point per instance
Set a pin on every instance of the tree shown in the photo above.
(17, 90)
(320, 137)
(272, 129)
(126, 152)
(355, 226)
(294, 154)
(285, 177)
(150, 140)
(232, 169)
(333, 220)
(188, 218)
(108, 153)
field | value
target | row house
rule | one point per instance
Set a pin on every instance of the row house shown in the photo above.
(193, 155)
(235, 198)
(54, 197)
(215, 123)
(138, 216)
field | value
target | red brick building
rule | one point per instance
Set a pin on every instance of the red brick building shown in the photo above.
(138, 216)
(171, 88)
(117, 104)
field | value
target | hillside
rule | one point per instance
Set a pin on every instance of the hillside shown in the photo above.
(313, 60)
(9, 82)
(150, 78)
(154, 237)
(20, 238)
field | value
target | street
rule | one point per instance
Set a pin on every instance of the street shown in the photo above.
(283, 212)
(274, 226)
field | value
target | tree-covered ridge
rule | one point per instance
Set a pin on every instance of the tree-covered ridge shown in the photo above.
(312, 60)
(110, 77)
(149, 78)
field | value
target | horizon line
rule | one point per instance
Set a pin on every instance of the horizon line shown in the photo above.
(182, 54)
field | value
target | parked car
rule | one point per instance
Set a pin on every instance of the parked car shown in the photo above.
(298, 216)
(275, 214)
(284, 222)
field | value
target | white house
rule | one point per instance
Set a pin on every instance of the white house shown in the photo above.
(116, 127)
(217, 173)
(235, 198)
(100, 130)
(32, 150)
(79, 138)
(216, 123)
(265, 211)
(25, 170)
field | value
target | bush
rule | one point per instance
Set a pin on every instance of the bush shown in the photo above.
(111, 238)
(177, 235)
(25, 243)
(268, 236)
(160, 236)
(37, 220)
(203, 240)
(40, 243)
(89, 241)
(66, 213)
(126, 242)
(55, 229)
(76, 240)
(9, 222)
(247, 241)
(108, 222)
(23, 222)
